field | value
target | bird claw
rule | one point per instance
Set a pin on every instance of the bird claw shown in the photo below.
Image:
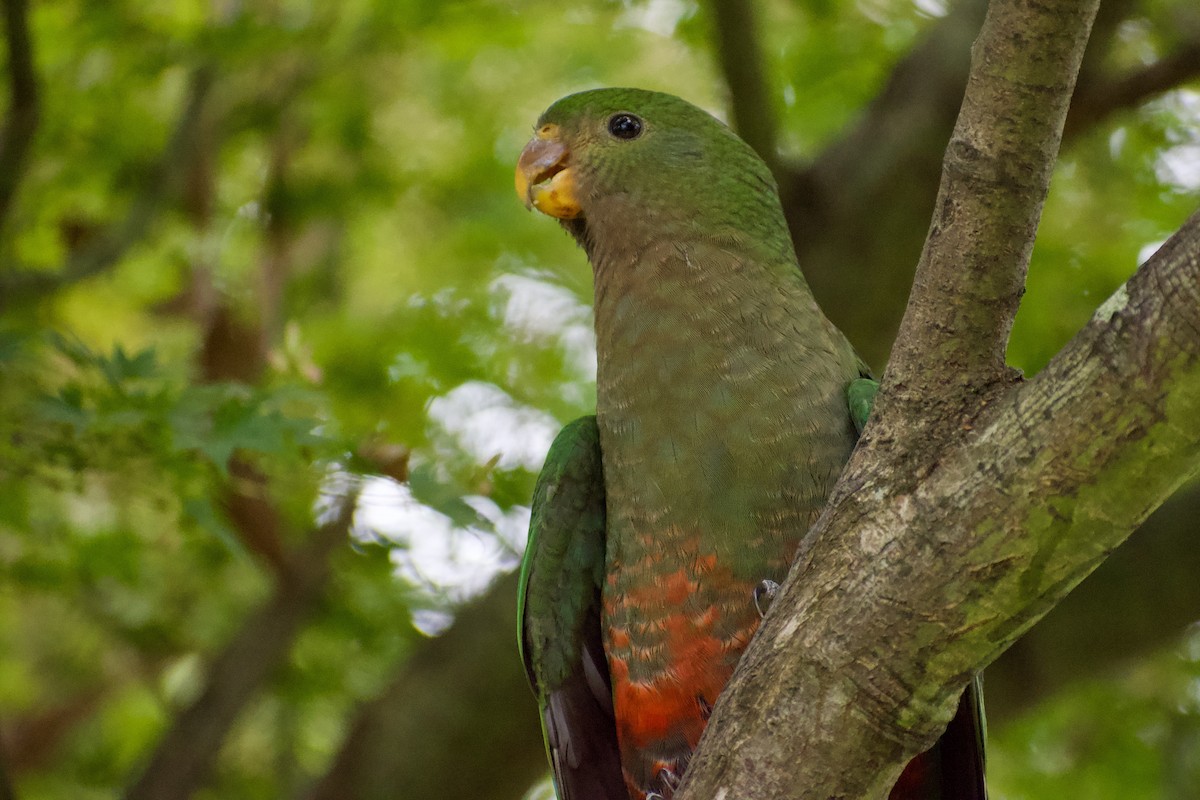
(668, 782)
(764, 595)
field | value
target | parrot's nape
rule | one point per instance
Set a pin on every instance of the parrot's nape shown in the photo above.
(727, 405)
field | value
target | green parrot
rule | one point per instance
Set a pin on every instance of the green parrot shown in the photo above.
(727, 405)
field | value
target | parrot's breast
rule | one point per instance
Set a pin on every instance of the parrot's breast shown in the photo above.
(673, 637)
(723, 425)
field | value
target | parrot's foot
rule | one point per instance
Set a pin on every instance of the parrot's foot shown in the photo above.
(764, 595)
(668, 782)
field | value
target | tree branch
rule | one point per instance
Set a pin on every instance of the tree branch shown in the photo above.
(16, 139)
(185, 754)
(995, 177)
(904, 594)
(107, 249)
(740, 57)
(1101, 97)
(859, 262)
(1138, 602)
(31, 740)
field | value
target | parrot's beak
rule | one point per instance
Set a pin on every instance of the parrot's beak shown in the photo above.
(544, 179)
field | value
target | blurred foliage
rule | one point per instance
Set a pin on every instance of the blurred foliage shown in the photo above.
(1137, 735)
(347, 194)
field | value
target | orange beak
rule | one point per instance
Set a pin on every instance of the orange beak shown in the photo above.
(544, 178)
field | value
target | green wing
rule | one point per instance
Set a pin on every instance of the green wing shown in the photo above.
(558, 611)
(860, 394)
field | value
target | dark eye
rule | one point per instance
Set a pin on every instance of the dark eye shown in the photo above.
(625, 126)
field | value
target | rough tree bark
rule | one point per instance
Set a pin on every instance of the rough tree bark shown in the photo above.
(965, 513)
(1136, 602)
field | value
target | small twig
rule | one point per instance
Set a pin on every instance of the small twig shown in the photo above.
(741, 60)
(16, 139)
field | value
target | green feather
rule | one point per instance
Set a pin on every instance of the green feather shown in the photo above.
(860, 395)
(563, 565)
(558, 614)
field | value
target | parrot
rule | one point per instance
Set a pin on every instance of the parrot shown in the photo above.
(727, 405)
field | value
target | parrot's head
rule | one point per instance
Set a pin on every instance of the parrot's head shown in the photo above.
(632, 154)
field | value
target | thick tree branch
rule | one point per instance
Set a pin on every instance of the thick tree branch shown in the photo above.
(185, 754)
(16, 139)
(995, 177)
(739, 54)
(905, 593)
(1138, 602)
(106, 250)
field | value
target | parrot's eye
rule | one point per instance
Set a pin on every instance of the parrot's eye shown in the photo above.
(625, 126)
